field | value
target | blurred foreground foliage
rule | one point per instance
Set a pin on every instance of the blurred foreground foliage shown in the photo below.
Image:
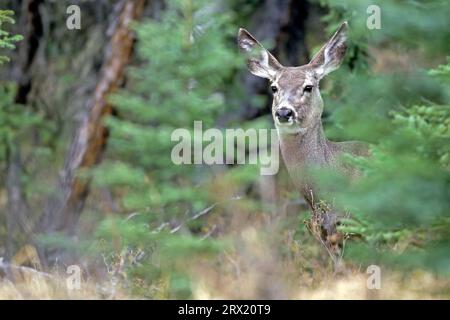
(401, 206)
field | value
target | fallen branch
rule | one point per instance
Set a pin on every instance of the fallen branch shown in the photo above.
(17, 274)
(196, 216)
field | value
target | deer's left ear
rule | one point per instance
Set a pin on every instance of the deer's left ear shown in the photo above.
(330, 56)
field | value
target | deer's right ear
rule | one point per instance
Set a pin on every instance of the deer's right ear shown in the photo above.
(259, 61)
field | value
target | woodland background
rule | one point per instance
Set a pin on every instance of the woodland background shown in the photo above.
(86, 176)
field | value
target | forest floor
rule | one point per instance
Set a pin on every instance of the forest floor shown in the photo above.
(421, 286)
(266, 261)
(254, 271)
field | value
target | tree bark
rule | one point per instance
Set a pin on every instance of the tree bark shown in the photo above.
(63, 209)
(32, 32)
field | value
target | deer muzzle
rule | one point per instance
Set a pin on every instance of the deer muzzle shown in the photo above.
(284, 115)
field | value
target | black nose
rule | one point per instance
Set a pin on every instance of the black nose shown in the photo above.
(284, 114)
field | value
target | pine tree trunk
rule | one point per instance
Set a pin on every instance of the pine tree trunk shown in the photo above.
(63, 209)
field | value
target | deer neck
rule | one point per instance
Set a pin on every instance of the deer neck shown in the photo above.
(302, 150)
(311, 147)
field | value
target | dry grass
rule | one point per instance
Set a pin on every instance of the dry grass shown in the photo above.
(257, 271)
(243, 283)
(270, 258)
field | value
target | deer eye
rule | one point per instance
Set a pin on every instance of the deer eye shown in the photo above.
(307, 88)
(274, 89)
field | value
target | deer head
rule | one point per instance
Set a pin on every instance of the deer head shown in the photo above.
(297, 104)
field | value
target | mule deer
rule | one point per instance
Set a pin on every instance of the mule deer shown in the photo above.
(296, 109)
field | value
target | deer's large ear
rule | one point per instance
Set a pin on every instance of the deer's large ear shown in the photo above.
(332, 53)
(259, 61)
